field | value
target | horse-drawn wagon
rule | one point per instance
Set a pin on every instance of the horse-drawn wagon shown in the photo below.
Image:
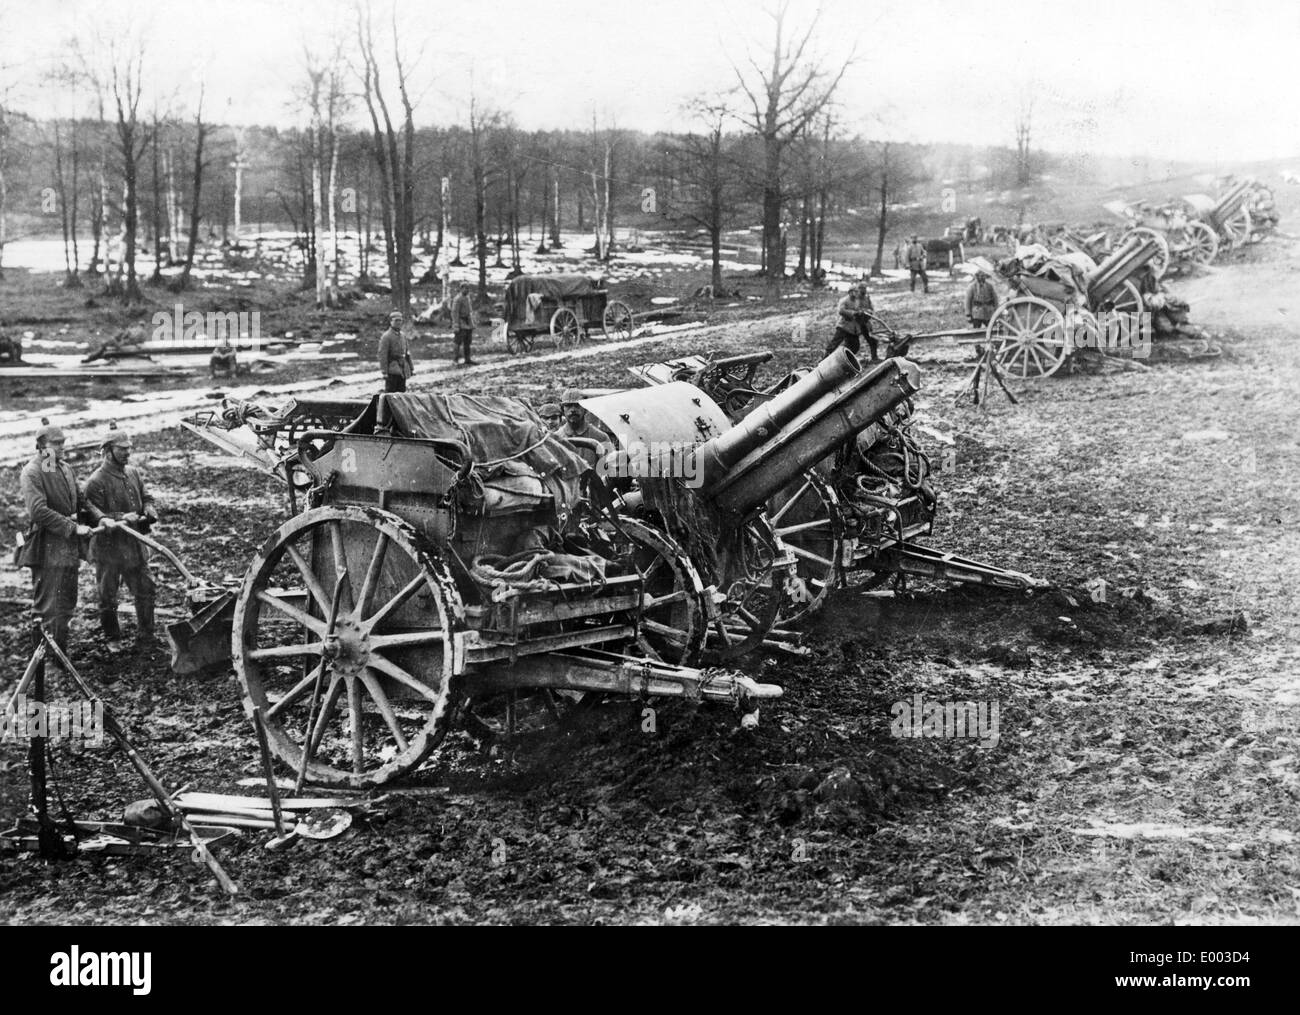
(567, 307)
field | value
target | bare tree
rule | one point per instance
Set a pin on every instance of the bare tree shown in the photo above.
(396, 163)
(708, 180)
(133, 138)
(325, 99)
(480, 126)
(1024, 133)
(201, 132)
(893, 171)
(784, 98)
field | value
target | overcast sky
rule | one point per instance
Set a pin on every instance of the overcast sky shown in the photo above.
(1208, 81)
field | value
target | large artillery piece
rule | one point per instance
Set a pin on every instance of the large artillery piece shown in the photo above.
(847, 494)
(448, 562)
(1228, 214)
(1181, 237)
(450, 554)
(1038, 327)
(712, 502)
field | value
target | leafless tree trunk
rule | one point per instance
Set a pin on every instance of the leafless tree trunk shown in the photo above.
(132, 138)
(1024, 130)
(784, 98)
(706, 192)
(396, 168)
(201, 131)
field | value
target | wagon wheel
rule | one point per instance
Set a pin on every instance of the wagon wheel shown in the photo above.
(1028, 337)
(1159, 263)
(349, 595)
(566, 329)
(513, 343)
(617, 321)
(806, 518)
(1201, 243)
(1127, 300)
(754, 587)
(672, 620)
(1236, 228)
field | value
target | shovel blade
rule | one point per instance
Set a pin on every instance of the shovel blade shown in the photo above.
(204, 639)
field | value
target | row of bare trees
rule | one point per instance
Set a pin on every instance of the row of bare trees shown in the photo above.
(773, 147)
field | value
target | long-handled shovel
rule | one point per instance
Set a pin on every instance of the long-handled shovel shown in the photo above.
(204, 639)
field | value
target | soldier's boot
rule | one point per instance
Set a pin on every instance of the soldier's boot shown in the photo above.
(144, 623)
(112, 630)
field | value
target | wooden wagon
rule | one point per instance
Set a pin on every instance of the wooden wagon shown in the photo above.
(567, 307)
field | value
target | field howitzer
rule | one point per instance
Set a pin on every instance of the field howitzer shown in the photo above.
(447, 567)
(844, 482)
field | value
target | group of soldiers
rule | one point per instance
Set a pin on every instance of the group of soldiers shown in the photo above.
(69, 522)
(854, 312)
(395, 364)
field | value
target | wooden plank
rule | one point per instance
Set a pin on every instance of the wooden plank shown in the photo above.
(221, 801)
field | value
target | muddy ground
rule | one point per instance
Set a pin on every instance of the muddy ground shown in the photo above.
(1146, 769)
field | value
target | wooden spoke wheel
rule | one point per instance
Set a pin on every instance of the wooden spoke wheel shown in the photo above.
(1127, 300)
(566, 329)
(1161, 261)
(519, 341)
(1028, 337)
(672, 615)
(1236, 228)
(806, 517)
(1200, 243)
(754, 587)
(617, 321)
(344, 626)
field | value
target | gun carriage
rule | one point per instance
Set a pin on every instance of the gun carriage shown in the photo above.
(859, 508)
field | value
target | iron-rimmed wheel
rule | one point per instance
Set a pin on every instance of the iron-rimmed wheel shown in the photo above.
(752, 583)
(805, 516)
(1200, 243)
(345, 625)
(1028, 336)
(566, 329)
(617, 321)
(1127, 300)
(1236, 228)
(672, 614)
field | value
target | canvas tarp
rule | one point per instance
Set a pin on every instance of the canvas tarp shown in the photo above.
(504, 436)
(558, 287)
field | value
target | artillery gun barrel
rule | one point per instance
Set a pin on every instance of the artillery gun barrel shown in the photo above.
(773, 454)
(770, 418)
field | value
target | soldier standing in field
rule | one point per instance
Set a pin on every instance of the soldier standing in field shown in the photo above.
(981, 300)
(116, 489)
(52, 544)
(395, 364)
(462, 320)
(916, 260)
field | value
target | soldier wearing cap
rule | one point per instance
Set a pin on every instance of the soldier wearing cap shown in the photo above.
(551, 415)
(576, 425)
(56, 509)
(462, 320)
(853, 323)
(981, 300)
(117, 490)
(916, 260)
(395, 364)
